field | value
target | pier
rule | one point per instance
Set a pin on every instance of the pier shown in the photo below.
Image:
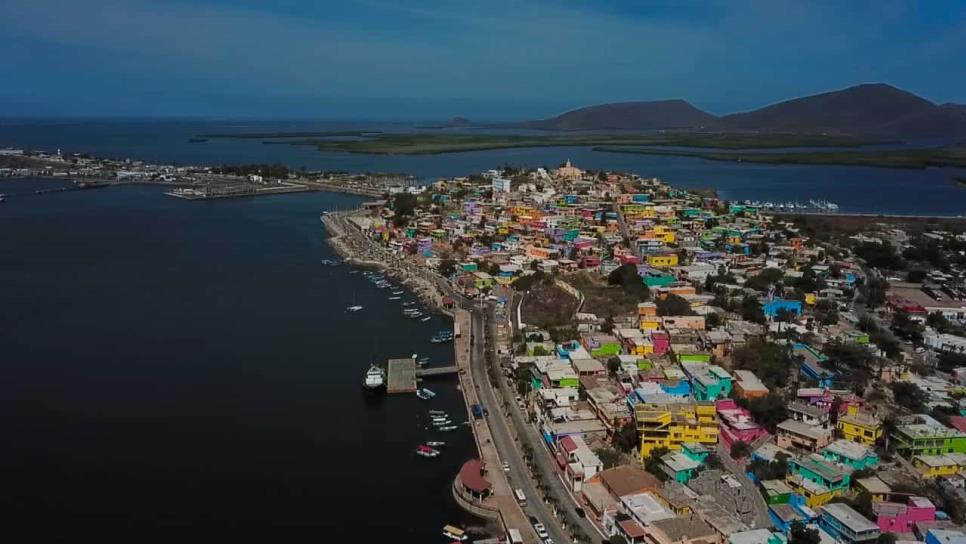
(401, 376)
(437, 371)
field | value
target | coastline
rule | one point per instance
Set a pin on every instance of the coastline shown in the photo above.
(356, 250)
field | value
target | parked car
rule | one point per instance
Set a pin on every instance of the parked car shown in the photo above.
(541, 530)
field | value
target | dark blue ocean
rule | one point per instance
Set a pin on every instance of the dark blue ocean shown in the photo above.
(855, 189)
(185, 372)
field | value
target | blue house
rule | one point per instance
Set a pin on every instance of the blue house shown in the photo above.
(812, 368)
(772, 307)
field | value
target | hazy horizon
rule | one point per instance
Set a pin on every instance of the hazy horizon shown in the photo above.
(429, 60)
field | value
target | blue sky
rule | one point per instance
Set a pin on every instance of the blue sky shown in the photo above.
(432, 59)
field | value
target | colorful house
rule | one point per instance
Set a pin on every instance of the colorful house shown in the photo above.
(679, 466)
(776, 491)
(948, 464)
(772, 307)
(663, 260)
(709, 382)
(672, 425)
(846, 525)
(850, 454)
(817, 480)
(737, 424)
(861, 427)
(901, 517)
(931, 438)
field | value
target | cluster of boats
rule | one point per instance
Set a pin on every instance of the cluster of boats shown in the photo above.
(442, 421)
(822, 205)
(417, 314)
(442, 337)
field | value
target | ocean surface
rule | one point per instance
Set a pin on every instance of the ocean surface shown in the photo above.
(185, 372)
(931, 191)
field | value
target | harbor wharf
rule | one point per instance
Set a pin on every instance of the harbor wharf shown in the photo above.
(401, 376)
(358, 250)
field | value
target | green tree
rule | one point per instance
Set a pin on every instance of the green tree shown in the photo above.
(626, 277)
(740, 450)
(713, 320)
(608, 456)
(674, 305)
(625, 439)
(768, 411)
(613, 366)
(909, 396)
(653, 463)
(404, 204)
(800, 534)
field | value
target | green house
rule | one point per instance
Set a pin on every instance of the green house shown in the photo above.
(659, 280)
(930, 438)
(851, 454)
(696, 451)
(776, 491)
(679, 466)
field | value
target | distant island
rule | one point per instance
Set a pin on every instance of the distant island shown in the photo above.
(954, 156)
(871, 109)
(433, 144)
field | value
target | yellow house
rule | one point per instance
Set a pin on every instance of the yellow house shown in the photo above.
(664, 260)
(649, 323)
(665, 234)
(861, 427)
(670, 425)
(876, 488)
(947, 464)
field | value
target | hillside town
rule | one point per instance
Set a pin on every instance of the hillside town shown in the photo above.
(707, 371)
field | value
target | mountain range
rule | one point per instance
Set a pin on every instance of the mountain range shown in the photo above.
(874, 109)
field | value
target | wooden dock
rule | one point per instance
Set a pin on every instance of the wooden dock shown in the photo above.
(401, 376)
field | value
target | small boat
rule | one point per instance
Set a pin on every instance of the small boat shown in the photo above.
(437, 412)
(354, 308)
(375, 377)
(394, 298)
(435, 444)
(408, 303)
(330, 262)
(426, 451)
(425, 394)
(423, 361)
(425, 319)
(443, 423)
(449, 428)
(397, 292)
(454, 533)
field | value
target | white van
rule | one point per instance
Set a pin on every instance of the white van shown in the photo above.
(521, 498)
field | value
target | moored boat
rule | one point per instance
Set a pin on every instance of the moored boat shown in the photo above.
(454, 533)
(426, 451)
(425, 394)
(375, 377)
(449, 428)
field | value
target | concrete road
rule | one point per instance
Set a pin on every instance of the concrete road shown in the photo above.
(502, 437)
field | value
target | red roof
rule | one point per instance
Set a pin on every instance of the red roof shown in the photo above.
(471, 475)
(959, 422)
(568, 445)
(631, 528)
(561, 459)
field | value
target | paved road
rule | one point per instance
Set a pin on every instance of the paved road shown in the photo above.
(544, 462)
(502, 437)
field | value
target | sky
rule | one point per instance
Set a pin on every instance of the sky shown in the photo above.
(434, 59)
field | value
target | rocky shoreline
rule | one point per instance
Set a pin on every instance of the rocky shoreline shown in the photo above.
(358, 250)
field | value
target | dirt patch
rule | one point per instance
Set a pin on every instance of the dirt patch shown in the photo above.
(548, 306)
(602, 299)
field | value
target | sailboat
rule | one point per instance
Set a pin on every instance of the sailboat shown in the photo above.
(355, 307)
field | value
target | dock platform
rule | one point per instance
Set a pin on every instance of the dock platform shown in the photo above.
(437, 371)
(401, 376)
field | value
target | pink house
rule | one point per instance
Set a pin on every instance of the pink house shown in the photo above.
(736, 423)
(896, 517)
(662, 342)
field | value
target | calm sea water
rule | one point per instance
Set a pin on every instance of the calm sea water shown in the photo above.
(185, 372)
(855, 189)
